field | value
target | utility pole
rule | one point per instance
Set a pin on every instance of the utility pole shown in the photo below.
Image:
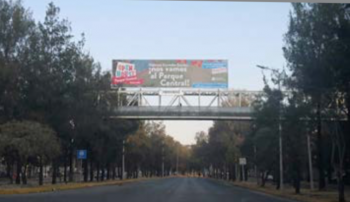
(279, 124)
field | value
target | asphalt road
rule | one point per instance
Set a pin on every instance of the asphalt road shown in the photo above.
(158, 190)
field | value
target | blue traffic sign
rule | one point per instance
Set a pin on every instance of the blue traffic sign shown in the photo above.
(81, 154)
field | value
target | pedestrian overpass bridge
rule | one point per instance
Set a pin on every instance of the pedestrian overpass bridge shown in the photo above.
(184, 104)
(188, 104)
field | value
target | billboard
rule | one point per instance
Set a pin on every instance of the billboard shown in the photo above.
(170, 73)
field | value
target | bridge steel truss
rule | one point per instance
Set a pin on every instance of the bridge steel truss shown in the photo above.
(221, 104)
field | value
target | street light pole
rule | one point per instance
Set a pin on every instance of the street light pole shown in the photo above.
(280, 138)
(279, 125)
(280, 135)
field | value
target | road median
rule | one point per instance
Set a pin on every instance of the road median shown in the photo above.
(68, 186)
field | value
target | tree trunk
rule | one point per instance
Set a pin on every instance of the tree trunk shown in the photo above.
(278, 181)
(241, 172)
(297, 181)
(41, 172)
(54, 171)
(119, 173)
(113, 173)
(18, 173)
(91, 171)
(29, 171)
(86, 172)
(230, 177)
(103, 174)
(264, 177)
(329, 173)
(234, 177)
(65, 168)
(24, 175)
(9, 167)
(321, 180)
(71, 169)
(341, 188)
(108, 172)
(98, 172)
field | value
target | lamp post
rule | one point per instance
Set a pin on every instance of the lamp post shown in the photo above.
(279, 124)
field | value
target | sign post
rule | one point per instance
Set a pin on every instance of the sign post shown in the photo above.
(81, 155)
(243, 162)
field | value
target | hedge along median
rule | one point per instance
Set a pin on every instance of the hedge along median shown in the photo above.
(58, 187)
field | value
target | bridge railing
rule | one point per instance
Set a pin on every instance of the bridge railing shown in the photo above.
(214, 97)
(183, 112)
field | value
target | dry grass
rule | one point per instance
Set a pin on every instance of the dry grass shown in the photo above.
(57, 187)
(306, 195)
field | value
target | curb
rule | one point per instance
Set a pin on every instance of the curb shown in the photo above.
(287, 197)
(68, 186)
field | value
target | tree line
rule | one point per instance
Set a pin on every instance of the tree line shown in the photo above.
(55, 100)
(311, 100)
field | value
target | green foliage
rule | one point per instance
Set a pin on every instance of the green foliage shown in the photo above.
(220, 148)
(264, 137)
(317, 51)
(29, 139)
(47, 77)
(149, 147)
(16, 26)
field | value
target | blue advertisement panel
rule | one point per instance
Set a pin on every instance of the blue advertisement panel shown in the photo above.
(170, 73)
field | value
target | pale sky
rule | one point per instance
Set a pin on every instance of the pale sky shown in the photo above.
(245, 33)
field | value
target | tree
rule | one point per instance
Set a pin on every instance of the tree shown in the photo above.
(317, 53)
(47, 77)
(27, 140)
(265, 134)
(298, 113)
(16, 26)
